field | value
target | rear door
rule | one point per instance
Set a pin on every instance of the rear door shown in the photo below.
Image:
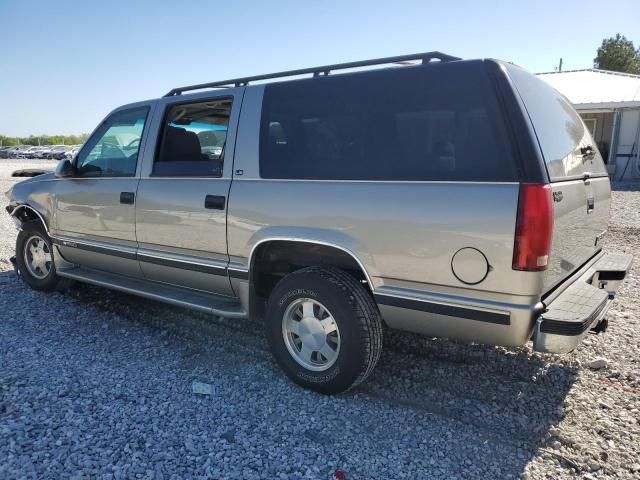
(579, 180)
(181, 211)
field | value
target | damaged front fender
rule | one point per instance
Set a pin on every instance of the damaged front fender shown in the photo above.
(25, 213)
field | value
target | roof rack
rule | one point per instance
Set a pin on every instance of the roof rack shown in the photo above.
(316, 71)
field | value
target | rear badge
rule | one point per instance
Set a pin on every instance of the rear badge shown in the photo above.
(557, 196)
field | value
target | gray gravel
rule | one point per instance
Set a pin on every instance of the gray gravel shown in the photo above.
(99, 384)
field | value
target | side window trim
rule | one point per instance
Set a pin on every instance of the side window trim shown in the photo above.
(161, 133)
(143, 137)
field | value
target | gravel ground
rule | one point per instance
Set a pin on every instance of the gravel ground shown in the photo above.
(98, 384)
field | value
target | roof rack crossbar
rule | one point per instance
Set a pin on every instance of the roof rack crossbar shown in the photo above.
(317, 71)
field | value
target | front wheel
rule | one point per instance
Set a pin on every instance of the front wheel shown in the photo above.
(324, 329)
(34, 258)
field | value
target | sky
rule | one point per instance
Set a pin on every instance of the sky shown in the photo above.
(64, 65)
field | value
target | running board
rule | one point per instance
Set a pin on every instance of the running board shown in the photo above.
(204, 302)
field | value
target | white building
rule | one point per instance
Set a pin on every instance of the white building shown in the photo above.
(609, 103)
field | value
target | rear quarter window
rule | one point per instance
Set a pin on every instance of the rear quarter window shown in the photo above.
(559, 129)
(434, 122)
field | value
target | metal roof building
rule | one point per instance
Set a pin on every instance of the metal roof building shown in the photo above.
(609, 103)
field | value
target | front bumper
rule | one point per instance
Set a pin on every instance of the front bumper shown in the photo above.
(581, 306)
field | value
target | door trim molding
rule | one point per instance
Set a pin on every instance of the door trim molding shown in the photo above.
(237, 273)
(122, 252)
(154, 258)
(182, 264)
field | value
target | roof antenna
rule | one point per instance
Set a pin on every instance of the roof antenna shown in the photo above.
(559, 69)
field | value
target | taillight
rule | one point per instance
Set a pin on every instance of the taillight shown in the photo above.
(534, 228)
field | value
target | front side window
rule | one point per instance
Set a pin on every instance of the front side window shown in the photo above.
(112, 151)
(193, 139)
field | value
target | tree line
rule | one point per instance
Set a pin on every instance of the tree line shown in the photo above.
(43, 140)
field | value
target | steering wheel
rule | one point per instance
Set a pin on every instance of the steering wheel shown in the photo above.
(111, 150)
(132, 143)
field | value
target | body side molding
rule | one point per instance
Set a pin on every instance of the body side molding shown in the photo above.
(123, 252)
(133, 254)
(469, 313)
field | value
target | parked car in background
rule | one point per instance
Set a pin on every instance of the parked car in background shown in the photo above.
(13, 152)
(460, 199)
(57, 152)
(38, 151)
(28, 152)
(42, 151)
(35, 152)
(53, 150)
(71, 152)
(4, 151)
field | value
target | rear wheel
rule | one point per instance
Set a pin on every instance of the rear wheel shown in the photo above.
(324, 329)
(34, 258)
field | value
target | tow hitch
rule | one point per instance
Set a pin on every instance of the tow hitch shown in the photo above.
(601, 327)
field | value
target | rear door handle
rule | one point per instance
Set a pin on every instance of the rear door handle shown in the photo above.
(214, 202)
(127, 198)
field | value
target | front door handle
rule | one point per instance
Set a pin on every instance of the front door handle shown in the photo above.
(127, 198)
(214, 202)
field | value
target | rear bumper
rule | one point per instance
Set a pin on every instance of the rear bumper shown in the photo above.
(581, 306)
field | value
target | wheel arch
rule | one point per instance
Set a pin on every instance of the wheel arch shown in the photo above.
(26, 213)
(275, 257)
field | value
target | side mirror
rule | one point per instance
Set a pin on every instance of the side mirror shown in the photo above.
(64, 169)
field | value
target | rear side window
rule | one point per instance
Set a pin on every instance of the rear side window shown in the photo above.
(559, 129)
(435, 122)
(193, 139)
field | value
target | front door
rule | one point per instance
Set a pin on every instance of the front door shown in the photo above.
(181, 210)
(94, 211)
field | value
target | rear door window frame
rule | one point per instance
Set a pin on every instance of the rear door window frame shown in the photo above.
(161, 131)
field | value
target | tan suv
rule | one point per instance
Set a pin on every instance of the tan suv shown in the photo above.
(463, 199)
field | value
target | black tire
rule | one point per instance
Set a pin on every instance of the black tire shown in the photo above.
(52, 281)
(355, 313)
